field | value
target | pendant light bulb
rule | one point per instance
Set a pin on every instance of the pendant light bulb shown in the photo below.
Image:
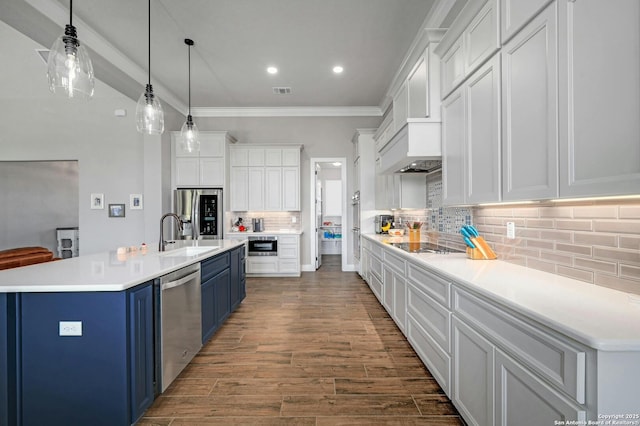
(69, 68)
(189, 133)
(149, 114)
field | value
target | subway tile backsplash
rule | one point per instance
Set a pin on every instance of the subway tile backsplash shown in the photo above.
(593, 241)
(273, 221)
(597, 242)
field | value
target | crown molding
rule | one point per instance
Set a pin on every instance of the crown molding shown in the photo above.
(363, 111)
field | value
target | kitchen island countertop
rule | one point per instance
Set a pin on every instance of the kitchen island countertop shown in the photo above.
(107, 271)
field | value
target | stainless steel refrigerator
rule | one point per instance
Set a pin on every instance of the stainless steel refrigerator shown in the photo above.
(200, 211)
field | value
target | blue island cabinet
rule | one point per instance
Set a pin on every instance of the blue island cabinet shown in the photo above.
(223, 288)
(103, 376)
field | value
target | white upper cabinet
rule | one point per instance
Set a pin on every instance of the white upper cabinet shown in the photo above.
(265, 178)
(515, 14)
(453, 148)
(477, 43)
(599, 97)
(529, 111)
(203, 168)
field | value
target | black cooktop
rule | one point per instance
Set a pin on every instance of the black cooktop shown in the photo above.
(425, 248)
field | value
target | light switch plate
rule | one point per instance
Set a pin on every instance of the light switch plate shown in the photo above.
(70, 328)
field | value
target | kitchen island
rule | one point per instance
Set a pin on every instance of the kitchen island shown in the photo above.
(79, 337)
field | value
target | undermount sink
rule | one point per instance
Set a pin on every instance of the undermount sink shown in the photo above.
(188, 251)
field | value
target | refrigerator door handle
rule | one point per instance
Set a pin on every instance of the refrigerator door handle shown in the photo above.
(195, 215)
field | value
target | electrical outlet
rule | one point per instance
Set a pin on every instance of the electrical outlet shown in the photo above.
(293, 219)
(511, 230)
(70, 328)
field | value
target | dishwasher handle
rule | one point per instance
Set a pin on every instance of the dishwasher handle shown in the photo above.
(179, 282)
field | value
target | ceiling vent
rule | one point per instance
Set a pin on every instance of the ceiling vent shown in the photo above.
(282, 90)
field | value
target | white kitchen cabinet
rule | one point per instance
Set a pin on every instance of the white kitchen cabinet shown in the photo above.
(289, 255)
(273, 188)
(452, 68)
(480, 38)
(516, 13)
(529, 111)
(473, 363)
(453, 148)
(255, 189)
(395, 288)
(599, 63)
(239, 194)
(273, 178)
(203, 168)
(404, 191)
(523, 399)
(400, 107)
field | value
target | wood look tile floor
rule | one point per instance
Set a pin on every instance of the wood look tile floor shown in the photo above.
(316, 350)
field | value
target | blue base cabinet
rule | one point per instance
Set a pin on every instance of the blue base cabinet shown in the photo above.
(104, 376)
(223, 288)
(4, 361)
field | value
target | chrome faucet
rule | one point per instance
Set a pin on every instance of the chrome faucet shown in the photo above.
(163, 243)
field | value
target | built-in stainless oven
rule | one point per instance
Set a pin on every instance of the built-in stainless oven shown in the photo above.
(263, 246)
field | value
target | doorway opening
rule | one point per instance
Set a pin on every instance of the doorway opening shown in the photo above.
(328, 211)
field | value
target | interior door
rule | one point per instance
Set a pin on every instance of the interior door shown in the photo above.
(318, 195)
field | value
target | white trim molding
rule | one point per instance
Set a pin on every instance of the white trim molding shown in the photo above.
(361, 111)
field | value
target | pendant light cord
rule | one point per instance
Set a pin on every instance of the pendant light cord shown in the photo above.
(149, 38)
(70, 12)
(190, 78)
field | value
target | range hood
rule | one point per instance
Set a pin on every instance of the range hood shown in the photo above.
(415, 148)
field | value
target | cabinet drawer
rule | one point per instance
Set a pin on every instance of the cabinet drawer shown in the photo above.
(432, 284)
(435, 319)
(436, 359)
(377, 250)
(376, 267)
(394, 262)
(211, 267)
(366, 244)
(287, 239)
(559, 362)
(515, 387)
(287, 266)
(262, 265)
(375, 285)
(288, 251)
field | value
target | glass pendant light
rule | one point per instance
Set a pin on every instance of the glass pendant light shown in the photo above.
(149, 114)
(69, 68)
(189, 133)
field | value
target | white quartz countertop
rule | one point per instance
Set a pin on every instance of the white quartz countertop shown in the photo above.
(596, 316)
(267, 232)
(107, 271)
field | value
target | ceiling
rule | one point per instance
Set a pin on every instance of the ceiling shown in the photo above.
(236, 40)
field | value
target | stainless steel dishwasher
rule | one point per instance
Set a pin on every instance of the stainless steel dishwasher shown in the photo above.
(180, 327)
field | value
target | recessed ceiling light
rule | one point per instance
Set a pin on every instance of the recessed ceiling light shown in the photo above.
(272, 70)
(338, 69)
(337, 164)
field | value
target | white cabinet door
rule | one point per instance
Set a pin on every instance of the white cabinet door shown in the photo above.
(255, 188)
(599, 83)
(400, 107)
(452, 68)
(212, 171)
(239, 195)
(482, 98)
(453, 147)
(516, 13)
(212, 145)
(413, 191)
(290, 157)
(523, 399)
(273, 188)
(481, 37)
(291, 188)
(239, 157)
(473, 362)
(418, 95)
(187, 171)
(255, 157)
(273, 157)
(529, 106)
(400, 302)
(389, 283)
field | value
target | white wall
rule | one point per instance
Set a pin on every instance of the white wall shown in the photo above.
(322, 137)
(35, 125)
